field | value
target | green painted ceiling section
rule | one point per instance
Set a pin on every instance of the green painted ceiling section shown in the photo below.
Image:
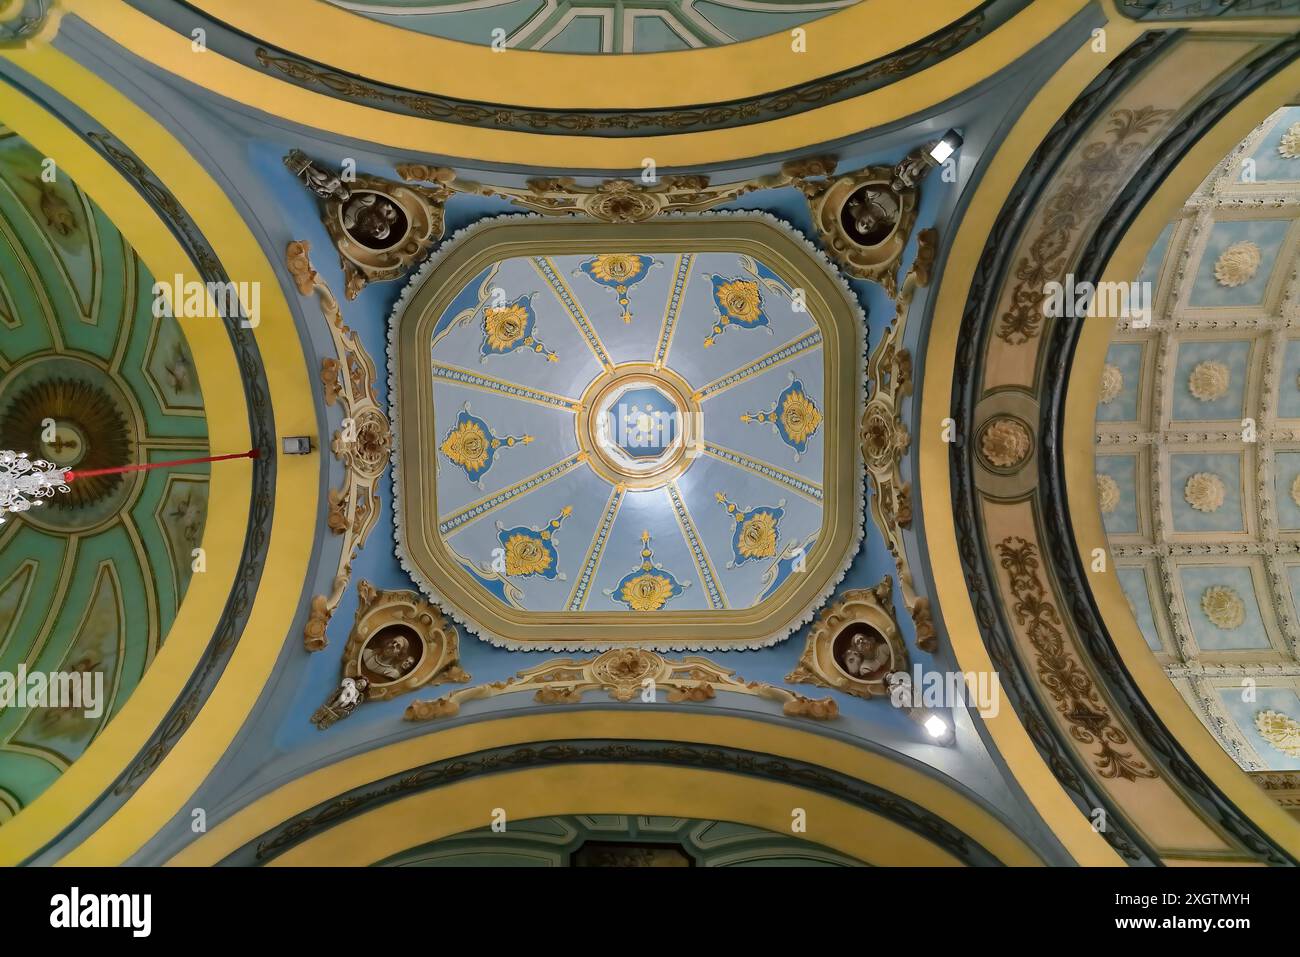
(92, 584)
(618, 840)
(596, 26)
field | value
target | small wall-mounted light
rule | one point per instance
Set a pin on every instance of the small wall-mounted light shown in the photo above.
(936, 727)
(916, 164)
(949, 144)
(296, 444)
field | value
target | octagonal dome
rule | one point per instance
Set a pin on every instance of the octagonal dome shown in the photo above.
(613, 436)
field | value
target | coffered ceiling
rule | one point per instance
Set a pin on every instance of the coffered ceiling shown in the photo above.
(1198, 456)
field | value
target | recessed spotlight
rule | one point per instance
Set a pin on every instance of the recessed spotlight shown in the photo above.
(936, 726)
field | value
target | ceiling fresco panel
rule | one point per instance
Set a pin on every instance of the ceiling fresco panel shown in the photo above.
(665, 402)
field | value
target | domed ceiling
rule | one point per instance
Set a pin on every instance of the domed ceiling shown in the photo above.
(611, 429)
(89, 378)
(617, 598)
(1198, 458)
(596, 26)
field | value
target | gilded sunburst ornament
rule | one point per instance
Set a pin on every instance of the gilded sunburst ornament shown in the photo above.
(649, 586)
(1289, 145)
(741, 298)
(1112, 383)
(467, 446)
(799, 417)
(504, 327)
(646, 592)
(1238, 263)
(525, 555)
(1280, 730)
(738, 303)
(1204, 492)
(756, 532)
(794, 416)
(1223, 606)
(529, 551)
(1209, 380)
(758, 536)
(91, 433)
(1107, 493)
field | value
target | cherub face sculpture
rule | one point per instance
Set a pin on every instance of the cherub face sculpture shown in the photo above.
(394, 649)
(865, 656)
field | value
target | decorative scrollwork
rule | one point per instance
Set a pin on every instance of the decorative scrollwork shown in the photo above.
(616, 200)
(1071, 687)
(362, 443)
(885, 440)
(400, 641)
(864, 218)
(713, 116)
(854, 645)
(380, 228)
(1083, 190)
(625, 674)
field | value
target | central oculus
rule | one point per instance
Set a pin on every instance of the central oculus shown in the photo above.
(640, 426)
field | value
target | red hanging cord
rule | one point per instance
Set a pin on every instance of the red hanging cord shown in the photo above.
(73, 474)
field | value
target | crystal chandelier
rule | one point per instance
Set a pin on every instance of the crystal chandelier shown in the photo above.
(25, 482)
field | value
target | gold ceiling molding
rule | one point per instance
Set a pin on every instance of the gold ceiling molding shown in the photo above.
(698, 730)
(380, 229)
(854, 646)
(1096, 173)
(1282, 786)
(356, 49)
(616, 200)
(885, 440)
(879, 202)
(399, 642)
(362, 442)
(1066, 681)
(626, 674)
